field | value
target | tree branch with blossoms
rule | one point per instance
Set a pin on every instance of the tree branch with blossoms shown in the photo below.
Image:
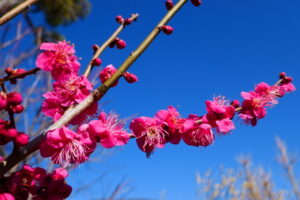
(73, 101)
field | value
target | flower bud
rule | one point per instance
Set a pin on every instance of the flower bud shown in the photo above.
(119, 19)
(14, 98)
(282, 75)
(235, 103)
(129, 77)
(3, 100)
(196, 2)
(112, 44)
(20, 71)
(11, 133)
(9, 70)
(169, 4)
(167, 29)
(21, 139)
(121, 44)
(95, 47)
(18, 108)
(96, 62)
(127, 21)
(106, 73)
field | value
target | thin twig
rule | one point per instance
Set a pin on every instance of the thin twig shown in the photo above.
(106, 44)
(16, 10)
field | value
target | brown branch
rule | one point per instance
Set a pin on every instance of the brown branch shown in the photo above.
(29, 72)
(97, 94)
(17, 10)
(106, 44)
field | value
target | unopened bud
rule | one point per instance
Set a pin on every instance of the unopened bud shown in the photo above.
(282, 75)
(18, 108)
(169, 4)
(9, 70)
(96, 62)
(196, 2)
(129, 77)
(119, 19)
(95, 47)
(127, 21)
(14, 98)
(235, 103)
(121, 44)
(21, 139)
(167, 29)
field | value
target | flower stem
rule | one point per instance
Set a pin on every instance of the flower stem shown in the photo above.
(106, 44)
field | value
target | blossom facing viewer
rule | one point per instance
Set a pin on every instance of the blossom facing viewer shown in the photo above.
(58, 58)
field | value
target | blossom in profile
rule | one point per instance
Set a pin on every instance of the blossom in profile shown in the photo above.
(66, 147)
(58, 58)
(108, 130)
(106, 73)
(149, 133)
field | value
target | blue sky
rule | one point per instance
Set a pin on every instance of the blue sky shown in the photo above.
(220, 48)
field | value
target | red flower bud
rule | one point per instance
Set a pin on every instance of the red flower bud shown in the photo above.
(3, 100)
(169, 4)
(21, 139)
(97, 62)
(127, 21)
(10, 133)
(14, 98)
(20, 71)
(196, 2)
(95, 47)
(119, 19)
(235, 103)
(121, 44)
(130, 78)
(282, 75)
(9, 70)
(18, 108)
(167, 29)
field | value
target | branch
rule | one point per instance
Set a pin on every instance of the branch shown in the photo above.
(22, 75)
(17, 10)
(106, 44)
(96, 95)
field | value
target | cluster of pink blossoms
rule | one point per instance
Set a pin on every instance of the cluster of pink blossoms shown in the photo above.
(36, 183)
(65, 146)
(167, 125)
(69, 88)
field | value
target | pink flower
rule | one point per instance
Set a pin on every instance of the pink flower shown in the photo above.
(197, 134)
(106, 73)
(67, 93)
(67, 147)
(108, 130)
(219, 114)
(59, 59)
(172, 124)
(6, 196)
(149, 133)
(73, 90)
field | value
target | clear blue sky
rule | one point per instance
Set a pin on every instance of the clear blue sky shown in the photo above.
(220, 48)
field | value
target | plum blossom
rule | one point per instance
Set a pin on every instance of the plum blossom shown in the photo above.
(66, 147)
(172, 124)
(149, 133)
(219, 114)
(108, 72)
(65, 94)
(196, 133)
(108, 130)
(58, 58)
